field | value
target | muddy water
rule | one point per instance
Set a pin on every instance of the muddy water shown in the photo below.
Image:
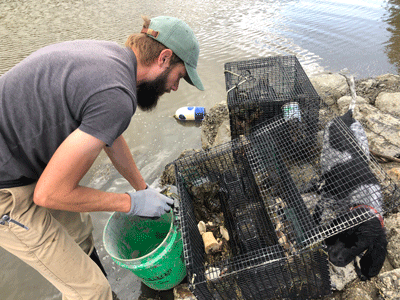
(326, 35)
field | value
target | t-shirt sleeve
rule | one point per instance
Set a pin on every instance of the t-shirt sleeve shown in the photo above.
(107, 114)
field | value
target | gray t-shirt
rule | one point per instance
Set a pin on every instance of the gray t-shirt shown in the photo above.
(90, 85)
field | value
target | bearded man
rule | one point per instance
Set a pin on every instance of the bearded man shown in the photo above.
(59, 108)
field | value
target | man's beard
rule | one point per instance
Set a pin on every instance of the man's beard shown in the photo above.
(149, 92)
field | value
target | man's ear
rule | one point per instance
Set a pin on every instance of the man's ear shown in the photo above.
(164, 58)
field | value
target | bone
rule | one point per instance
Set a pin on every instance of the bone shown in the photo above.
(210, 243)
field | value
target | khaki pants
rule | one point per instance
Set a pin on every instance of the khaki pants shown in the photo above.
(57, 244)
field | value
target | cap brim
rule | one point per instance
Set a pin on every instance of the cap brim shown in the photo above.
(193, 78)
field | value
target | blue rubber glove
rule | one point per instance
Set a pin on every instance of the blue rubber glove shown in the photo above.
(149, 203)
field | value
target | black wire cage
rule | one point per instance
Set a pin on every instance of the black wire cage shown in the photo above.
(289, 179)
(261, 89)
(312, 150)
(263, 258)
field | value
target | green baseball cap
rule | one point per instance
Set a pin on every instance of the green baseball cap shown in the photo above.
(176, 35)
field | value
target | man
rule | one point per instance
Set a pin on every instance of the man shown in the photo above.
(59, 108)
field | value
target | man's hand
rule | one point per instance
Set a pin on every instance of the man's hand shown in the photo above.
(149, 203)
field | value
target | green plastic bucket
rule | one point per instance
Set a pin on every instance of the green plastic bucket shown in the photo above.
(151, 249)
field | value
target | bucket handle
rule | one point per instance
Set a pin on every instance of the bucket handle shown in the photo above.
(175, 214)
(175, 206)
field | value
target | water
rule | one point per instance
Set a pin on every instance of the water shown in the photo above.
(362, 36)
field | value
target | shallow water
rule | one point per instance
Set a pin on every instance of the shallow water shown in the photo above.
(326, 35)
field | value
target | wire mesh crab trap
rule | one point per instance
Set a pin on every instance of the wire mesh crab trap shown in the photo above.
(278, 209)
(264, 89)
(323, 157)
(265, 256)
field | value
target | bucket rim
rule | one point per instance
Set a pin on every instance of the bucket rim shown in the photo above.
(123, 260)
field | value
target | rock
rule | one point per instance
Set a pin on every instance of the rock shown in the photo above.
(182, 292)
(389, 78)
(368, 84)
(357, 293)
(394, 173)
(382, 129)
(223, 134)
(343, 103)
(389, 103)
(340, 277)
(330, 87)
(168, 176)
(388, 284)
(392, 224)
(370, 88)
(211, 123)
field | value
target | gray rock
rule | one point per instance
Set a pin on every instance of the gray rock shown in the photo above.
(330, 87)
(223, 134)
(168, 175)
(340, 277)
(389, 78)
(392, 224)
(394, 173)
(211, 123)
(382, 129)
(380, 123)
(357, 293)
(368, 84)
(389, 103)
(370, 88)
(388, 284)
(343, 103)
(182, 292)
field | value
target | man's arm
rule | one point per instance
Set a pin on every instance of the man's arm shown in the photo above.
(145, 202)
(58, 186)
(122, 160)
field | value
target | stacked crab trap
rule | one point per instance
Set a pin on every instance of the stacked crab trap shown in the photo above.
(269, 188)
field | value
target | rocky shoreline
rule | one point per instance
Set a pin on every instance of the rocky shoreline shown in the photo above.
(378, 109)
